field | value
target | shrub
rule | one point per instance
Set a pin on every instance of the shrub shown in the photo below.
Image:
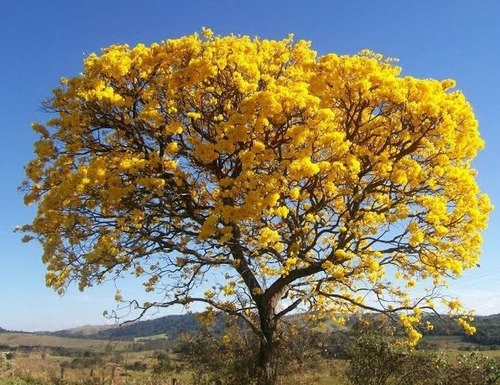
(379, 360)
(229, 358)
(163, 363)
(473, 368)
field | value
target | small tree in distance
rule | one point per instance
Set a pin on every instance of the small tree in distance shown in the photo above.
(328, 184)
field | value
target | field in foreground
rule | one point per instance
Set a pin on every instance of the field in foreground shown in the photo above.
(31, 359)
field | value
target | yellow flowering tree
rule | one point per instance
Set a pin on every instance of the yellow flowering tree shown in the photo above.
(326, 183)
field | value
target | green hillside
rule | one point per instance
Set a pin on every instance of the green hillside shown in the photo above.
(20, 340)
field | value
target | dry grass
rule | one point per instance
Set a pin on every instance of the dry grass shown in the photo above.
(35, 340)
(35, 369)
(30, 371)
(39, 368)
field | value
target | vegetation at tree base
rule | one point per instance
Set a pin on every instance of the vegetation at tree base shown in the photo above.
(309, 355)
(210, 358)
(371, 359)
(288, 180)
(376, 360)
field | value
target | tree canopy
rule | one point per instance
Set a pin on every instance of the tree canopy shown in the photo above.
(274, 178)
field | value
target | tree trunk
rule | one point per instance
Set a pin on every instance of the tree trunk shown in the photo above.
(267, 362)
(267, 370)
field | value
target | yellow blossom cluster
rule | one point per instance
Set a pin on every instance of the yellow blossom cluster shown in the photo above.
(260, 157)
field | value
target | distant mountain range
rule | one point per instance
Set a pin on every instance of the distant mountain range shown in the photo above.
(172, 326)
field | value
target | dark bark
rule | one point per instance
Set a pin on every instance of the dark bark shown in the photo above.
(267, 361)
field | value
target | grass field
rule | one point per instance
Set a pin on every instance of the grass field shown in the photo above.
(40, 340)
(39, 367)
(453, 346)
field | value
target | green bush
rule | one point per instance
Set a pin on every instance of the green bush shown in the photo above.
(379, 360)
(474, 368)
(211, 359)
(231, 359)
(5, 365)
(163, 363)
(137, 366)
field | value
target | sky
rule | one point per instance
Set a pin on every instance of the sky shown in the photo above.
(41, 41)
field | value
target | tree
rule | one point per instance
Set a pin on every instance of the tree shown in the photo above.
(274, 179)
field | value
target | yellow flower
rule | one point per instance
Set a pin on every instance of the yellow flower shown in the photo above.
(294, 193)
(268, 236)
(207, 32)
(250, 160)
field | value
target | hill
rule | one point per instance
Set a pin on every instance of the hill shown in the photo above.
(488, 328)
(171, 325)
(83, 331)
(488, 331)
(33, 340)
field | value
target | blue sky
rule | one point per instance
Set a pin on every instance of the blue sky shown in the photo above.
(42, 41)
